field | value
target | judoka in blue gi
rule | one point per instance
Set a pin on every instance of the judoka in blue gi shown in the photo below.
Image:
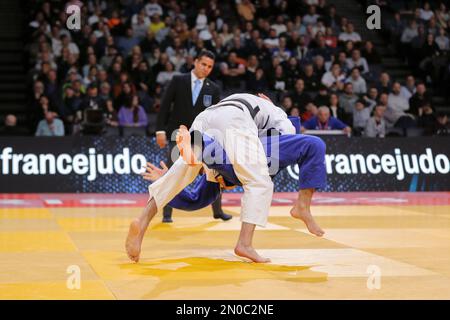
(221, 172)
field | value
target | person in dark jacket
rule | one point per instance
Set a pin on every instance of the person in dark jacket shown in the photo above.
(184, 98)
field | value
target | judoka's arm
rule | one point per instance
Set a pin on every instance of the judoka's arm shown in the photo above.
(281, 122)
(203, 194)
(278, 119)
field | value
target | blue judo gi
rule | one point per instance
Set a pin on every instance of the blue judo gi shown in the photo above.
(284, 150)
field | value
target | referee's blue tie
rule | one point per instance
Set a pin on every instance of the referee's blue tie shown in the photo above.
(196, 91)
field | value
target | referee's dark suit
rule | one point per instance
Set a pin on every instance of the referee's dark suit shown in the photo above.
(176, 103)
(177, 109)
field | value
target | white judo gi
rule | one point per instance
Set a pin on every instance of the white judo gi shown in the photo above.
(235, 122)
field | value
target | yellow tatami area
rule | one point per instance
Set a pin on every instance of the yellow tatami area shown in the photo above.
(368, 252)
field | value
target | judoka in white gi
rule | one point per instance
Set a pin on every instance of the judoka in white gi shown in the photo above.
(235, 124)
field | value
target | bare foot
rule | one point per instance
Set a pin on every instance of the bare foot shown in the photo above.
(308, 219)
(134, 241)
(249, 253)
(183, 140)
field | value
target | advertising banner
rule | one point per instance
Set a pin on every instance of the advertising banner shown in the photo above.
(114, 164)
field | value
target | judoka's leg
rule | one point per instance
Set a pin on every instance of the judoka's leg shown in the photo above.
(302, 211)
(137, 230)
(246, 153)
(312, 175)
(179, 176)
(309, 153)
(244, 247)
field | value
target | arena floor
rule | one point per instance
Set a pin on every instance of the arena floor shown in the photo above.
(404, 237)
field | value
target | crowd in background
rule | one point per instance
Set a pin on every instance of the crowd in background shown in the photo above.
(309, 60)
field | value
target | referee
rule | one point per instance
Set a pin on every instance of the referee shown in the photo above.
(184, 98)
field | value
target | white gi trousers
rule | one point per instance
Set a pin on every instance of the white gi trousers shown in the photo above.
(236, 131)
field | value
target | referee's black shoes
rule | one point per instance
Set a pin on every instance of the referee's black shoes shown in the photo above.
(222, 215)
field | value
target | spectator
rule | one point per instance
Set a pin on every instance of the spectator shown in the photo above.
(358, 82)
(165, 76)
(153, 8)
(44, 107)
(34, 116)
(279, 25)
(156, 25)
(442, 126)
(299, 97)
(127, 89)
(322, 98)
(319, 66)
(376, 126)
(419, 98)
(427, 119)
(432, 27)
(71, 108)
(140, 26)
(371, 54)
(349, 34)
(430, 63)
(335, 110)
(395, 117)
(50, 126)
(323, 121)
(278, 82)
(442, 40)
(225, 35)
(293, 112)
(309, 113)
(415, 52)
(348, 99)
(292, 72)
(91, 77)
(332, 20)
(232, 72)
(10, 128)
(92, 100)
(260, 83)
(127, 42)
(356, 61)
(384, 84)
(53, 89)
(372, 94)
(330, 38)
(442, 15)
(426, 13)
(310, 78)
(73, 47)
(105, 91)
(311, 17)
(334, 79)
(287, 105)
(396, 27)
(342, 61)
(132, 114)
(395, 100)
(272, 41)
(409, 88)
(322, 49)
(408, 34)
(282, 52)
(111, 116)
(246, 10)
(361, 115)
(301, 50)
